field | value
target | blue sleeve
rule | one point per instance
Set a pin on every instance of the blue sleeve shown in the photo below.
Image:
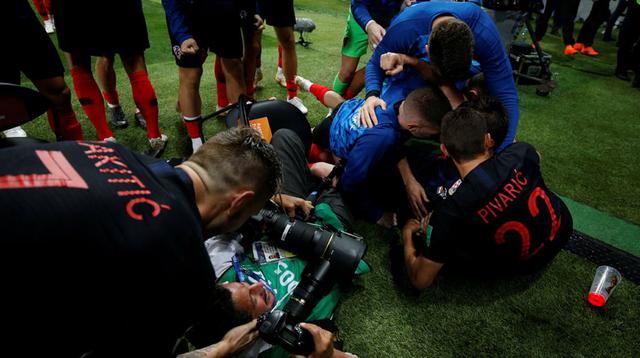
(400, 38)
(177, 20)
(368, 150)
(360, 12)
(497, 72)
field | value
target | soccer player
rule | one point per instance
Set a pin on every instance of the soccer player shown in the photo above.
(500, 217)
(597, 16)
(366, 150)
(281, 15)
(39, 61)
(81, 37)
(449, 35)
(196, 28)
(366, 26)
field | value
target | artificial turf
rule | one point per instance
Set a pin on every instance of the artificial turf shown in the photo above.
(587, 132)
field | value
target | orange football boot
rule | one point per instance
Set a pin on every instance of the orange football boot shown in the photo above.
(578, 46)
(589, 51)
(569, 50)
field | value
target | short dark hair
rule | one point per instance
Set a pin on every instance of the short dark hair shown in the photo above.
(477, 81)
(238, 157)
(463, 132)
(217, 319)
(495, 114)
(451, 49)
(430, 104)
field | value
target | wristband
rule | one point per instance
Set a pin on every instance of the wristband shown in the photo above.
(372, 93)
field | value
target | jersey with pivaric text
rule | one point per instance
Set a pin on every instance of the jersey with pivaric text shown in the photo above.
(500, 215)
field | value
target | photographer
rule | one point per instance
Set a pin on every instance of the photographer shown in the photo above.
(104, 255)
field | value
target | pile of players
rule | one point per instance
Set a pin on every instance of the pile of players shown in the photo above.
(122, 262)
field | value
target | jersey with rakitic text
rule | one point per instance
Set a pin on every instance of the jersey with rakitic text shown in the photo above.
(500, 215)
(101, 252)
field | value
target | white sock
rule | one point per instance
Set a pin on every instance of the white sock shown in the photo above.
(112, 105)
(305, 84)
(279, 72)
(196, 143)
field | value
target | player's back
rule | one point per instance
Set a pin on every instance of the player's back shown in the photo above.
(503, 215)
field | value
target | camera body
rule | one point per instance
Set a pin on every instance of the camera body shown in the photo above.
(332, 257)
(517, 5)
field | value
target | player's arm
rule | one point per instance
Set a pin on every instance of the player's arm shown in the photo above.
(360, 11)
(421, 270)
(292, 203)
(177, 20)
(415, 192)
(233, 341)
(498, 74)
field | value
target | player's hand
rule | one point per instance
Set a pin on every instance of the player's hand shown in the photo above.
(392, 63)
(321, 169)
(259, 24)
(189, 47)
(407, 3)
(375, 33)
(367, 115)
(412, 226)
(417, 199)
(322, 339)
(291, 203)
(238, 338)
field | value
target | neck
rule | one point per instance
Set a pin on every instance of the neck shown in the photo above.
(438, 20)
(465, 168)
(208, 207)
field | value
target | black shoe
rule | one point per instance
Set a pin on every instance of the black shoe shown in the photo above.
(623, 75)
(140, 120)
(117, 118)
(608, 38)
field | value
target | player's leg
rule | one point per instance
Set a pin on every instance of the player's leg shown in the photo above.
(330, 99)
(354, 46)
(106, 77)
(88, 93)
(144, 95)
(221, 84)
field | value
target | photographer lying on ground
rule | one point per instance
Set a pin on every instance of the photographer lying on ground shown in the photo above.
(366, 150)
(499, 218)
(111, 242)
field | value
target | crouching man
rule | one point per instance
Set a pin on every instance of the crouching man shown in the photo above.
(499, 217)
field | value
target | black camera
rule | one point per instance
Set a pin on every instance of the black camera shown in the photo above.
(332, 257)
(516, 5)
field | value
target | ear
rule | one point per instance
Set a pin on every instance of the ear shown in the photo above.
(444, 150)
(489, 143)
(240, 200)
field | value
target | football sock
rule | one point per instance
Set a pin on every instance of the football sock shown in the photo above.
(319, 91)
(221, 84)
(279, 55)
(304, 84)
(70, 128)
(91, 100)
(194, 128)
(251, 87)
(145, 98)
(339, 86)
(348, 94)
(111, 98)
(292, 89)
